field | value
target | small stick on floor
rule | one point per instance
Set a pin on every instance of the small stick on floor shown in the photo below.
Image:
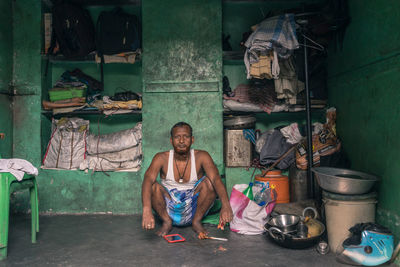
(217, 238)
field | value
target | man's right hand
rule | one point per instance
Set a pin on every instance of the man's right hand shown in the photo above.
(148, 222)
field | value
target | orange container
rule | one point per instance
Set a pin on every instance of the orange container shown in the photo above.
(281, 183)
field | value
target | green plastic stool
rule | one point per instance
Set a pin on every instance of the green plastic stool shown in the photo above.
(8, 185)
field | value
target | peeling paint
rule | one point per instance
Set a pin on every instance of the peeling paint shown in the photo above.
(190, 52)
(187, 44)
(67, 194)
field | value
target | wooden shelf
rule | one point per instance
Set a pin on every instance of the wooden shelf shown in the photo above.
(233, 62)
(87, 112)
(233, 57)
(86, 60)
(237, 113)
(49, 3)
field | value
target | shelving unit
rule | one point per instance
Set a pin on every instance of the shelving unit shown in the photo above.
(119, 77)
(59, 59)
(237, 20)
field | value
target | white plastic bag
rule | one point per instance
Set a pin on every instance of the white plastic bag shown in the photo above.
(248, 217)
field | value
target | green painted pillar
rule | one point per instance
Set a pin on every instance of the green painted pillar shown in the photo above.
(26, 80)
(6, 52)
(182, 70)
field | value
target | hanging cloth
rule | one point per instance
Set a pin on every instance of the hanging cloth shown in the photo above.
(275, 33)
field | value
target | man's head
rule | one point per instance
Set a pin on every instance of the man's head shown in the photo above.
(181, 137)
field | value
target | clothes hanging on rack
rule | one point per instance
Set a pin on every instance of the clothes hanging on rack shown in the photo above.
(287, 86)
(263, 68)
(276, 33)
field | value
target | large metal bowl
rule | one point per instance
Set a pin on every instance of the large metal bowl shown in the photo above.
(293, 241)
(344, 181)
(287, 223)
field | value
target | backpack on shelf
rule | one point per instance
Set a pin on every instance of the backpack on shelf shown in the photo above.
(117, 32)
(73, 30)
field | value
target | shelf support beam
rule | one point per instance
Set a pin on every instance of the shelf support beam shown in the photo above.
(310, 178)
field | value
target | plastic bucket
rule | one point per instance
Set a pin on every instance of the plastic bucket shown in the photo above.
(281, 183)
(342, 214)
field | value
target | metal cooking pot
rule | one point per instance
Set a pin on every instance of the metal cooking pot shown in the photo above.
(286, 223)
(292, 241)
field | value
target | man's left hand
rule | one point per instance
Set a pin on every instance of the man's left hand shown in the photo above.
(226, 215)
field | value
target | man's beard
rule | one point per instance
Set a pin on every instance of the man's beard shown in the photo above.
(182, 152)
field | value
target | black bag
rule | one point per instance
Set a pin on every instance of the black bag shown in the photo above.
(73, 29)
(117, 32)
(93, 85)
(125, 96)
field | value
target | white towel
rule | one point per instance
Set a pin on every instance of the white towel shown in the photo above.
(17, 167)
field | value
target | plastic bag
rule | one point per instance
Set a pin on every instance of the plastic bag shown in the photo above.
(67, 146)
(248, 217)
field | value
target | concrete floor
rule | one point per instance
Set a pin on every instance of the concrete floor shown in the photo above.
(110, 240)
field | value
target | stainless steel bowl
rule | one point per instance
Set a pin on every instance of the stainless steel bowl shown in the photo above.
(287, 223)
(344, 181)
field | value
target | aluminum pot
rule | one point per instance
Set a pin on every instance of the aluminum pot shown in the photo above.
(286, 223)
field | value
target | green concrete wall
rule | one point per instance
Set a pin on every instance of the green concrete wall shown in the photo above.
(66, 191)
(6, 52)
(364, 85)
(182, 74)
(196, 72)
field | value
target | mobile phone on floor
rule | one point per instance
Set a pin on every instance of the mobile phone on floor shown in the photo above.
(173, 238)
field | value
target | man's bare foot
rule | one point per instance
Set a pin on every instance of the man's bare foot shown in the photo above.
(198, 227)
(165, 228)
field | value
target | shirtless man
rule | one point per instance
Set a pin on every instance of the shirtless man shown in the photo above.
(190, 183)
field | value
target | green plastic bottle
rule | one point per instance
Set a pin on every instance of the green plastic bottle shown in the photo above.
(248, 192)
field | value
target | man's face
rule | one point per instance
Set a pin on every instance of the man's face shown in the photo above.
(181, 139)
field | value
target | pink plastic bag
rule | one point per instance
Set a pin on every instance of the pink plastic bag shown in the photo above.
(248, 217)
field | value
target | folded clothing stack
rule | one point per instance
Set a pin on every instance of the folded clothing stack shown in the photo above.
(71, 90)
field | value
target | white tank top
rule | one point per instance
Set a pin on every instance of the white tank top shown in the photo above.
(169, 181)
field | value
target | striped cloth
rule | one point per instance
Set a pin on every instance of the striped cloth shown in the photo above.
(250, 134)
(263, 95)
(275, 33)
(182, 205)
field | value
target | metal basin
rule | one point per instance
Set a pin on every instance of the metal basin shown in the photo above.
(285, 222)
(291, 241)
(344, 181)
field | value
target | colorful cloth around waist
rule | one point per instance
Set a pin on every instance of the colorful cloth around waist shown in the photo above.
(182, 205)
